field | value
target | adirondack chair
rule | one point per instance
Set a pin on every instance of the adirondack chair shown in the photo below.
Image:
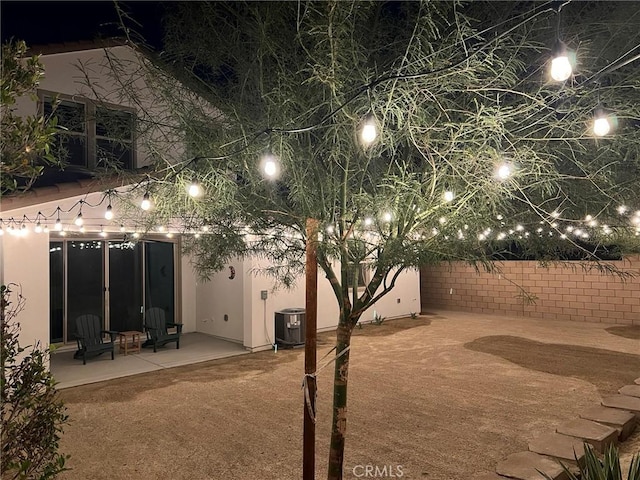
(156, 325)
(91, 338)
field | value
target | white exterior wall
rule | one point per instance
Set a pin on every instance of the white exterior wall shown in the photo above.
(25, 261)
(241, 299)
(222, 296)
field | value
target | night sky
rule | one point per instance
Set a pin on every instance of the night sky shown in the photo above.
(41, 22)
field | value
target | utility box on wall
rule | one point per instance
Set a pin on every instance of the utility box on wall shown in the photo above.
(290, 327)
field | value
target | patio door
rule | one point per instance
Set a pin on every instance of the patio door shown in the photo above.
(116, 280)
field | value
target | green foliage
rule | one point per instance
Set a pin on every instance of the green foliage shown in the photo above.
(26, 140)
(606, 469)
(414, 315)
(32, 413)
(377, 319)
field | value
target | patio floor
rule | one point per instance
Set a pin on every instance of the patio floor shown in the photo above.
(194, 348)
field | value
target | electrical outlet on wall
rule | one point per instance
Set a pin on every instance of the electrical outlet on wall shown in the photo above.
(263, 294)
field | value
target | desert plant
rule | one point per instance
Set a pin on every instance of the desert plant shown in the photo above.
(606, 469)
(32, 412)
(377, 319)
(414, 315)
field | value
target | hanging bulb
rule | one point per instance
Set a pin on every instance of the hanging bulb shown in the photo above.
(368, 131)
(109, 213)
(601, 123)
(146, 202)
(103, 234)
(122, 229)
(561, 68)
(1, 231)
(270, 165)
(46, 229)
(194, 189)
(38, 228)
(504, 171)
(58, 225)
(448, 196)
(79, 221)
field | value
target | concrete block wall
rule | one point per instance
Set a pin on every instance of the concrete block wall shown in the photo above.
(566, 292)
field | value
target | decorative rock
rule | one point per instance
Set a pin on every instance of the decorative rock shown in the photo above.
(623, 402)
(600, 436)
(528, 465)
(623, 422)
(631, 390)
(637, 380)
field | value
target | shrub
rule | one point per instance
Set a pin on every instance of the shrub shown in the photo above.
(31, 410)
(606, 469)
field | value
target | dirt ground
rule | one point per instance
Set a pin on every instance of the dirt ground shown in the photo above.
(441, 397)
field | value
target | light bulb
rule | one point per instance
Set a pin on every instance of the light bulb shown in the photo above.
(368, 221)
(79, 221)
(38, 228)
(448, 196)
(504, 171)
(194, 189)
(122, 229)
(622, 209)
(369, 132)
(601, 126)
(1, 231)
(561, 68)
(386, 217)
(146, 202)
(270, 167)
(45, 229)
(109, 213)
(103, 234)
(58, 225)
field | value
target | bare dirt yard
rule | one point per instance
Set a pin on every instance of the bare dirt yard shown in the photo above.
(441, 397)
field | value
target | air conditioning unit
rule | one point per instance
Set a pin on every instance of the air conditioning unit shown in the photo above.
(290, 327)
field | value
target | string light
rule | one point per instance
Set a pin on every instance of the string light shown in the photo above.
(58, 225)
(79, 221)
(108, 214)
(504, 171)
(561, 64)
(38, 228)
(146, 202)
(194, 189)
(369, 130)
(270, 166)
(448, 196)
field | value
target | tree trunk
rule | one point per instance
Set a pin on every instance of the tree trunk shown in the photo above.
(339, 423)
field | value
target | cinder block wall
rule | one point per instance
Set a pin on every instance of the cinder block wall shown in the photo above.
(563, 293)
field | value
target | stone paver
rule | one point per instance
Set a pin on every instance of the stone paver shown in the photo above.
(624, 422)
(631, 390)
(598, 435)
(558, 446)
(623, 402)
(528, 465)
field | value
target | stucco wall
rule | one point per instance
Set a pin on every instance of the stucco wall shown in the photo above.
(25, 261)
(563, 292)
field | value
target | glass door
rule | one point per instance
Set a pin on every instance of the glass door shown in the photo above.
(159, 277)
(56, 294)
(125, 285)
(85, 282)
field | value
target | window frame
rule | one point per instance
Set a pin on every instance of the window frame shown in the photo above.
(90, 130)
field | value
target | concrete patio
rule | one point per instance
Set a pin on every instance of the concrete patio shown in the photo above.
(194, 348)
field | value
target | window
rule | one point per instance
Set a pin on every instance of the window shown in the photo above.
(91, 135)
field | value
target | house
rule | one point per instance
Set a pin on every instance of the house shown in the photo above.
(106, 268)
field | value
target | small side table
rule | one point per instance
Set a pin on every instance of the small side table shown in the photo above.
(129, 341)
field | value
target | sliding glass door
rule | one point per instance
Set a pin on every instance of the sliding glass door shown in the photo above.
(125, 285)
(116, 280)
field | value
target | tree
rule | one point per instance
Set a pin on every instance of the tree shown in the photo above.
(25, 144)
(31, 411)
(476, 155)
